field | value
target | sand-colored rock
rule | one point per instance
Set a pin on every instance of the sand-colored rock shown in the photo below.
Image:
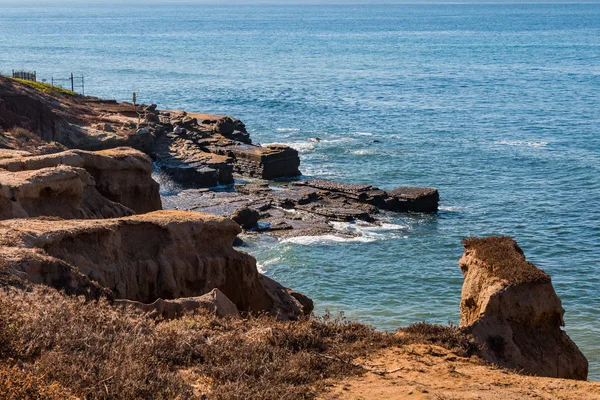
(61, 191)
(122, 175)
(511, 308)
(160, 255)
(214, 302)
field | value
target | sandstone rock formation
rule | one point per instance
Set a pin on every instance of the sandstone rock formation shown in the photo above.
(160, 255)
(92, 182)
(214, 302)
(61, 191)
(198, 150)
(510, 307)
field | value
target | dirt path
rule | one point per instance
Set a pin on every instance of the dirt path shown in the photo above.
(431, 372)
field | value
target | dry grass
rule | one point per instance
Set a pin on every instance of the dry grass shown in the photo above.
(448, 336)
(18, 138)
(505, 259)
(59, 344)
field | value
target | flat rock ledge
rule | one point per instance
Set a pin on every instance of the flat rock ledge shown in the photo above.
(512, 310)
(164, 259)
(304, 208)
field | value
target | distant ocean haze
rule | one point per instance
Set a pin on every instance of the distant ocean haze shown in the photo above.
(494, 105)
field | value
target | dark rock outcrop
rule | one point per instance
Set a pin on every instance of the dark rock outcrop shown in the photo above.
(510, 307)
(306, 208)
(246, 217)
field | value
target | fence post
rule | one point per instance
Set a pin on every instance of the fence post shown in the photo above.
(82, 86)
(72, 85)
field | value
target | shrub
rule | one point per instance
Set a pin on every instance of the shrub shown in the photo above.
(59, 344)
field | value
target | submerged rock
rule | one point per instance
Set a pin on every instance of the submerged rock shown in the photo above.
(511, 308)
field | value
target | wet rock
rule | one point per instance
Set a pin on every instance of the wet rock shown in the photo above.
(511, 308)
(246, 217)
(402, 199)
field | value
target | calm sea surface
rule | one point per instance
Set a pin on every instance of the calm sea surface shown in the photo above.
(497, 106)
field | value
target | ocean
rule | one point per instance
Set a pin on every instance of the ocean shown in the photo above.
(497, 106)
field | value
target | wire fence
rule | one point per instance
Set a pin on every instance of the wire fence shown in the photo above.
(26, 75)
(72, 83)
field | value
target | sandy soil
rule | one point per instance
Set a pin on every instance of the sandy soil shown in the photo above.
(431, 372)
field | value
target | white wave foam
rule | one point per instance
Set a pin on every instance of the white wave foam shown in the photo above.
(450, 209)
(338, 140)
(364, 152)
(287, 129)
(262, 266)
(362, 232)
(362, 133)
(522, 143)
(308, 240)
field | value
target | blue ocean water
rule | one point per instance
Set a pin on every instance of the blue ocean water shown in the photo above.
(497, 106)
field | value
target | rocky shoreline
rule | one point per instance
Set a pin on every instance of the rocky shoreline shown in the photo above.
(80, 212)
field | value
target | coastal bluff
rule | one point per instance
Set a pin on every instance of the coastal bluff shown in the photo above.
(104, 292)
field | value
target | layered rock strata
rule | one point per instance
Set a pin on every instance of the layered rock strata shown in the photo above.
(304, 207)
(198, 150)
(78, 184)
(161, 255)
(511, 308)
(61, 191)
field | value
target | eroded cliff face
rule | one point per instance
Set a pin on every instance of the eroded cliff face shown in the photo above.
(77, 184)
(62, 191)
(159, 255)
(511, 308)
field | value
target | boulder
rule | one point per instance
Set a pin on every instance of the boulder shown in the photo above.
(287, 303)
(512, 310)
(225, 126)
(246, 217)
(214, 302)
(160, 255)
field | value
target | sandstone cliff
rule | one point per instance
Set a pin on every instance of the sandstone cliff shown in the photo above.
(77, 184)
(160, 255)
(510, 307)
